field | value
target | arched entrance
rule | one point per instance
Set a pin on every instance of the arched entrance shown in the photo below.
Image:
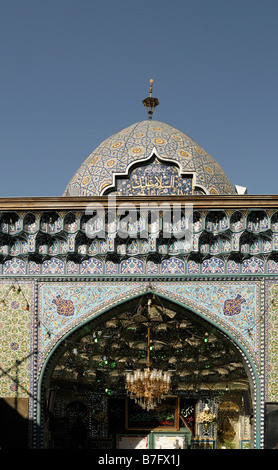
(85, 403)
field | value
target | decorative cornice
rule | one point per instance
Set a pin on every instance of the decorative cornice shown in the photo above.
(199, 202)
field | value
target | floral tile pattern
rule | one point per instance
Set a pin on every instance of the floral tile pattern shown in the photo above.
(135, 144)
(16, 354)
(271, 348)
(63, 306)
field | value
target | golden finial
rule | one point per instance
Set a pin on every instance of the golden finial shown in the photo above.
(150, 103)
(151, 87)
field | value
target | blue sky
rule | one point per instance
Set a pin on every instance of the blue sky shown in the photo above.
(73, 72)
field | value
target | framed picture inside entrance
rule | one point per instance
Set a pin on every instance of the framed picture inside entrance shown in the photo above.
(271, 425)
(163, 417)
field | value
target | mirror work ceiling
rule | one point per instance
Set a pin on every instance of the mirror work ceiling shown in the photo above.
(196, 353)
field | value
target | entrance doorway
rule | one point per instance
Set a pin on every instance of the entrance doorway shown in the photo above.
(87, 404)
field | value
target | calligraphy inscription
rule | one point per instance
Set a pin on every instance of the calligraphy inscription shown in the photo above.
(64, 306)
(233, 306)
(155, 179)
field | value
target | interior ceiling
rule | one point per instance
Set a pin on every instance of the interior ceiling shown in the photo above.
(198, 355)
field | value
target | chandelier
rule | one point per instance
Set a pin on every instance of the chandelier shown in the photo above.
(148, 387)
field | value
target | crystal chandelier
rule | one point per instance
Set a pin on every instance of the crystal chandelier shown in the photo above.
(148, 387)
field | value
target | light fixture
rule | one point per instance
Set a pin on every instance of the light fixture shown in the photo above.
(150, 103)
(150, 386)
(206, 417)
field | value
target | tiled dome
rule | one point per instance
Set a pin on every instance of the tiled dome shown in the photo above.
(137, 143)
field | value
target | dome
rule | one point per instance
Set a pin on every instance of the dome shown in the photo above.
(137, 146)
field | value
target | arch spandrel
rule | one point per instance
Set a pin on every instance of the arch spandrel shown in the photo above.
(64, 307)
(234, 307)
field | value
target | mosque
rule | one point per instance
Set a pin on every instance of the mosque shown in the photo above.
(139, 309)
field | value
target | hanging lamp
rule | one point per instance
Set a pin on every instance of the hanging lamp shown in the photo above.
(150, 386)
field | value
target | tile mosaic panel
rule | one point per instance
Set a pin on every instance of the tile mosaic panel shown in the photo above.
(234, 306)
(172, 266)
(16, 352)
(63, 305)
(14, 266)
(223, 253)
(213, 266)
(253, 265)
(132, 266)
(241, 319)
(272, 345)
(53, 266)
(92, 266)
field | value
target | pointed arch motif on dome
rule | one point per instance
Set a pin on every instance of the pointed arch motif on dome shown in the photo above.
(187, 178)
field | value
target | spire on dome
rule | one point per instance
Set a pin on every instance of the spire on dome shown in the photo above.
(150, 103)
